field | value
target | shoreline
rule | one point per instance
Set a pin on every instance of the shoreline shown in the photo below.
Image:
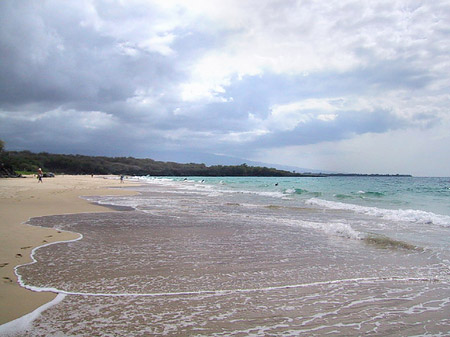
(24, 198)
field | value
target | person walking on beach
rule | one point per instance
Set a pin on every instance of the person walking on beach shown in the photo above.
(39, 175)
(121, 178)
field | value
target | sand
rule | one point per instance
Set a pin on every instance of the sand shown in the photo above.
(24, 198)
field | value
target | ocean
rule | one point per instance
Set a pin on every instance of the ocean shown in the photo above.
(251, 256)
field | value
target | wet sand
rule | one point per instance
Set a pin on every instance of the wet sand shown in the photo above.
(24, 198)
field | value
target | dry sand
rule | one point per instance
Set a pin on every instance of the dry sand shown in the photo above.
(24, 198)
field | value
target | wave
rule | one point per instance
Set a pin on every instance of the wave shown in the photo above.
(339, 229)
(360, 280)
(345, 230)
(295, 191)
(343, 196)
(277, 195)
(359, 195)
(409, 215)
(335, 229)
(371, 194)
(21, 324)
(300, 191)
(127, 202)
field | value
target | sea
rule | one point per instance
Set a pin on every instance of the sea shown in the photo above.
(250, 256)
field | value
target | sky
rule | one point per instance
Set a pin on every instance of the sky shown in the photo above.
(347, 85)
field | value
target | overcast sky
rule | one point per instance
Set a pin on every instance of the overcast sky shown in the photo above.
(350, 86)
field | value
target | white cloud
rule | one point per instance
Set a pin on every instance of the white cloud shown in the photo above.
(197, 91)
(245, 136)
(289, 116)
(91, 120)
(310, 37)
(327, 117)
(137, 26)
(160, 44)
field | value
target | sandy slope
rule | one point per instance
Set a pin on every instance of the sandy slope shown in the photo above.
(23, 198)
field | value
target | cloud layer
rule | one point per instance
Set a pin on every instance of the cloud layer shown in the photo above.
(300, 83)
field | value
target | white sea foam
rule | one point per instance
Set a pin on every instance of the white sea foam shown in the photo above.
(16, 326)
(410, 215)
(20, 324)
(219, 292)
(211, 189)
(270, 194)
(33, 260)
(337, 228)
(189, 185)
(132, 202)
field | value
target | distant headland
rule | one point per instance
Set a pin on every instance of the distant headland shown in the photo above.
(14, 163)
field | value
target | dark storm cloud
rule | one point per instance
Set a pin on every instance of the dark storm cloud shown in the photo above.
(53, 61)
(344, 126)
(257, 94)
(49, 58)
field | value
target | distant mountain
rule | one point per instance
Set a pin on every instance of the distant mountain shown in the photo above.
(210, 159)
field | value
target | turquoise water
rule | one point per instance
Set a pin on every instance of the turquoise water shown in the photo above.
(411, 209)
(407, 193)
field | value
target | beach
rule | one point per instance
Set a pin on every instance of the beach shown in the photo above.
(231, 256)
(24, 198)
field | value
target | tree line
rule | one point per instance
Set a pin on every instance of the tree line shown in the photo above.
(14, 163)
(26, 161)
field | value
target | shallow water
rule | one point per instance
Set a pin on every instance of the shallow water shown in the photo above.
(212, 260)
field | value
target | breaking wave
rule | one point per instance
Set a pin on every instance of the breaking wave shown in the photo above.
(336, 229)
(370, 194)
(409, 215)
(300, 191)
